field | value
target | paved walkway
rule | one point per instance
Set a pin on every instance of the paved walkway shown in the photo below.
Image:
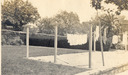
(80, 60)
(123, 73)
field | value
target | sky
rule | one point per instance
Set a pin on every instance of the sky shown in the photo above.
(49, 8)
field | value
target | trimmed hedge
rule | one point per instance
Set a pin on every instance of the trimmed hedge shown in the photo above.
(41, 39)
(48, 40)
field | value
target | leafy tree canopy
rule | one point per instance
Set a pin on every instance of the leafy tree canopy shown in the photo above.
(18, 13)
(110, 21)
(68, 22)
(46, 25)
(121, 4)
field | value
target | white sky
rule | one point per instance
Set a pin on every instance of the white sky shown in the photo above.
(49, 8)
(83, 8)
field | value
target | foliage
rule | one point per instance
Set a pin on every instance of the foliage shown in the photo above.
(47, 40)
(11, 38)
(31, 30)
(40, 39)
(111, 22)
(121, 4)
(118, 46)
(84, 27)
(18, 12)
(96, 4)
(68, 22)
(46, 25)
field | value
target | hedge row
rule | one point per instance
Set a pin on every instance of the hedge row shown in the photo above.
(47, 40)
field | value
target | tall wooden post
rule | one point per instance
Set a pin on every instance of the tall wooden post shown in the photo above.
(0, 38)
(27, 42)
(94, 41)
(90, 46)
(55, 43)
(126, 44)
(101, 43)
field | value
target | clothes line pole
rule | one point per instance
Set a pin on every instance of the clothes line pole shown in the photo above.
(94, 41)
(55, 44)
(0, 39)
(126, 44)
(90, 46)
(101, 43)
(27, 42)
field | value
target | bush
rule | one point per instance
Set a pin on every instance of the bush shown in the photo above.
(40, 39)
(31, 30)
(119, 46)
(11, 38)
(48, 40)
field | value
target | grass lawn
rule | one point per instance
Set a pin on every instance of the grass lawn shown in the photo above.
(14, 62)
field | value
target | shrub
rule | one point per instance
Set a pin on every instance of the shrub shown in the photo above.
(11, 38)
(119, 46)
(48, 40)
(40, 39)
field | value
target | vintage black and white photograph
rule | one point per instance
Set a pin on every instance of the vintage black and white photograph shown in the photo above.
(64, 37)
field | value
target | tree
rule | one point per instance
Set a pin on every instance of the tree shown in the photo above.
(68, 22)
(96, 4)
(121, 4)
(18, 12)
(84, 27)
(111, 21)
(46, 25)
